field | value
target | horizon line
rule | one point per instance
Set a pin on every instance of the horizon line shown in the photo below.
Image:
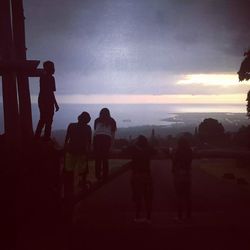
(202, 99)
(226, 99)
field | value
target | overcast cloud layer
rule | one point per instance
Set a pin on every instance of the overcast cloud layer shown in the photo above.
(137, 47)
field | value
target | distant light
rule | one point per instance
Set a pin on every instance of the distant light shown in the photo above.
(210, 79)
(149, 99)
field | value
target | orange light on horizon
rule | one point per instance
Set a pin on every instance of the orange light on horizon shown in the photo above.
(150, 99)
(225, 80)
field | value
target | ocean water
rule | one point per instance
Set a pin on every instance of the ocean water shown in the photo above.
(128, 115)
(135, 115)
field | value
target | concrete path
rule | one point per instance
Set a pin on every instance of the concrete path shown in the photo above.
(221, 217)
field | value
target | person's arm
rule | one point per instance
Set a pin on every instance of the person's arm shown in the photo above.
(55, 103)
(113, 129)
(95, 123)
(54, 89)
(67, 137)
(89, 139)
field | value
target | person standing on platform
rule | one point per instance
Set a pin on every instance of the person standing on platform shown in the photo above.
(46, 101)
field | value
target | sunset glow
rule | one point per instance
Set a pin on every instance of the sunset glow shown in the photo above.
(148, 99)
(225, 80)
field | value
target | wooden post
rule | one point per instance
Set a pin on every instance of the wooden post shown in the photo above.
(10, 104)
(22, 79)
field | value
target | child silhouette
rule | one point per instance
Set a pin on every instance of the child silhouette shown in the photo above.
(46, 101)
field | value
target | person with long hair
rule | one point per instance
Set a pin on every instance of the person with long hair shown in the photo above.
(104, 133)
(181, 169)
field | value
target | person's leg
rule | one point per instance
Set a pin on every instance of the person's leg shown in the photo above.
(178, 190)
(47, 130)
(148, 203)
(179, 207)
(48, 124)
(188, 207)
(69, 187)
(68, 204)
(181, 200)
(148, 197)
(97, 154)
(82, 170)
(39, 128)
(98, 168)
(68, 175)
(106, 143)
(42, 119)
(136, 197)
(105, 165)
(138, 208)
(188, 204)
(68, 181)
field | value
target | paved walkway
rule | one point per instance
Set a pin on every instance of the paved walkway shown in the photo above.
(221, 218)
(221, 215)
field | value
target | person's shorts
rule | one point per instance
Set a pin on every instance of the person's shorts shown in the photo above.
(76, 162)
(142, 187)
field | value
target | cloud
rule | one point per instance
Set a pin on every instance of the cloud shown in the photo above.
(116, 46)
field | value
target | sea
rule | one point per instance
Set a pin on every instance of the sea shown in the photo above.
(131, 115)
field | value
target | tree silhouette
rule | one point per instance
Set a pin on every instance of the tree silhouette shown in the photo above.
(244, 74)
(242, 136)
(210, 130)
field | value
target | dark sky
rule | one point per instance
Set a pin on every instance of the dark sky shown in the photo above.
(137, 47)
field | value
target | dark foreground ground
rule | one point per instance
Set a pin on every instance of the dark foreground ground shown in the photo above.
(104, 220)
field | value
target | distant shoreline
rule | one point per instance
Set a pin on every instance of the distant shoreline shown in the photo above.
(181, 122)
(141, 115)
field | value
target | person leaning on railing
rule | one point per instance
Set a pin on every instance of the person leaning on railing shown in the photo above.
(77, 145)
(104, 133)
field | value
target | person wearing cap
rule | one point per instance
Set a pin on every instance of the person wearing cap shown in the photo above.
(77, 145)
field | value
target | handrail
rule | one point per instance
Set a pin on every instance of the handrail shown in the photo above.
(197, 154)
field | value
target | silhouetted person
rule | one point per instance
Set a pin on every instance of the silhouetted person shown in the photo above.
(104, 132)
(46, 101)
(181, 169)
(77, 146)
(141, 179)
